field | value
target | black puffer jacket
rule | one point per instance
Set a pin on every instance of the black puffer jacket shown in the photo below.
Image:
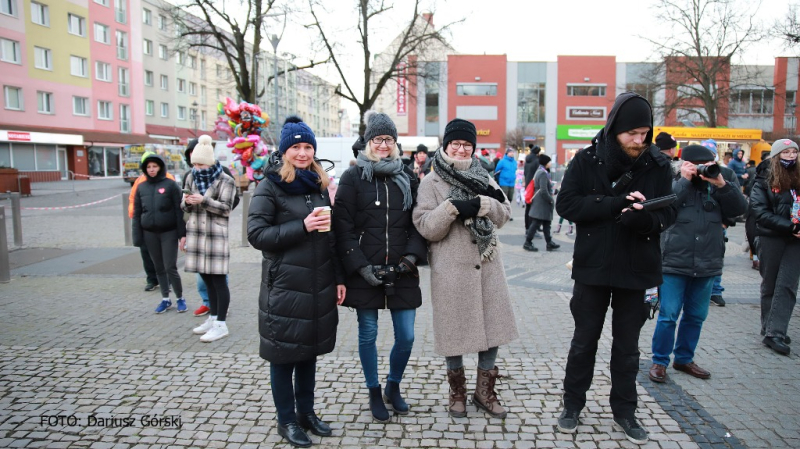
(772, 210)
(373, 229)
(157, 204)
(297, 314)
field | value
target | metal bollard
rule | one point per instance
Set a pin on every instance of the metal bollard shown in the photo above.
(16, 212)
(245, 212)
(126, 221)
(5, 268)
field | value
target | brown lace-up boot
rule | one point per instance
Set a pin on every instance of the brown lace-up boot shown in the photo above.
(485, 397)
(458, 392)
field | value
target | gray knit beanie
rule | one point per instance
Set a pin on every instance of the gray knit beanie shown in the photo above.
(379, 124)
(780, 145)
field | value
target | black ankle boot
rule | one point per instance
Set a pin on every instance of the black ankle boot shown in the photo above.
(294, 435)
(392, 396)
(376, 406)
(310, 421)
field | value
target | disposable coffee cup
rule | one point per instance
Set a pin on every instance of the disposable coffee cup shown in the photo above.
(326, 210)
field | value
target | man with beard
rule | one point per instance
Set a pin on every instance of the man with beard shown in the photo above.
(617, 255)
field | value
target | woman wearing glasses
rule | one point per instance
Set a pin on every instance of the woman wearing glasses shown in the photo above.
(459, 208)
(775, 203)
(380, 248)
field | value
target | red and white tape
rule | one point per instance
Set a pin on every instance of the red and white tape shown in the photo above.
(71, 207)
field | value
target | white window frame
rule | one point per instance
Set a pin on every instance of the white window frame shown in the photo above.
(180, 85)
(149, 108)
(164, 110)
(37, 58)
(192, 89)
(191, 61)
(162, 22)
(16, 50)
(121, 39)
(109, 106)
(164, 82)
(180, 57)
(181, 113)
(146, 73)
(147, 47)
(104, 69)
(124, 81)
(101, 2)
(163, 53)
(50, 108)
(84, 66)
(8, 7)
(104, 31)
(84, 101)
(147, 17)
(42, 12)
(20, 98)
(80, 21)
(124, 118)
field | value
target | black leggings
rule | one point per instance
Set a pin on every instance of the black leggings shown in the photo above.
(163, 250)
(219, 297)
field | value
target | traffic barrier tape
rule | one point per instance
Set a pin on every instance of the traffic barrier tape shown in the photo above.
(71, 207)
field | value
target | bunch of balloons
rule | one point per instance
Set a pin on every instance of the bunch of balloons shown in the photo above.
(245, 122)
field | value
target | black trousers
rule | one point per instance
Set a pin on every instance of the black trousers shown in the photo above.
(589, 305)
(535, 223)
(147, 263)
(163, 249)
(287, 397)
(527, 217)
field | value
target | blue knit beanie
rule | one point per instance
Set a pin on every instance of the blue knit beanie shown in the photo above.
(295, 131)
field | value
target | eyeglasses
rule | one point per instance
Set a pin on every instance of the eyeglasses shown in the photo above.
(379, 140)
(790, 152)
(457, 145)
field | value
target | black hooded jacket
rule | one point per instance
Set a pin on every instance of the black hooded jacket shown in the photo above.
(607, 252)
(531, 165)
(772, 210)
(157, 204)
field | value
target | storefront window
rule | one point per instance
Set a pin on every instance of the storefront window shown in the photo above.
(45, 157)
(530, 102)
(476, 89)
(113, 161)
(5, 155)
(24, 156)
(586, 90)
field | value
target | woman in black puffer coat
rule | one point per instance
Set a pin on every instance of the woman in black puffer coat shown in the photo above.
(158, 224)
(301, 278)
(377, 239)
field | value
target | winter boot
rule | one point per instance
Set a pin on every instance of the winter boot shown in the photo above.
(557, 230)
(458, 393)
(485, 397)
(571, 230)
(528, 246)
(391, 395)
(376, 406)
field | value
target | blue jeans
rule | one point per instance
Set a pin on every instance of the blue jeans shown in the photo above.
(717, 289)
(403, 322)
(202, 289)
(693, 295)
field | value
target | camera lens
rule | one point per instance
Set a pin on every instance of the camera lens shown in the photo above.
(709, 171)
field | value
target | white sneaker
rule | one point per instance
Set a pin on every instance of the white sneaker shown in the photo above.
(219, 330)
(206, 326)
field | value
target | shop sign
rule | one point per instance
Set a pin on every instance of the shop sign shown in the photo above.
(685, 133)
(21, 137)
(577, 132)
(484, 132)
(34, 137)
(586, 113)
(401, 89)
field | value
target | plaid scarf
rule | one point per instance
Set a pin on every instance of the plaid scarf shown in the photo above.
(204, 178)
(465, 185)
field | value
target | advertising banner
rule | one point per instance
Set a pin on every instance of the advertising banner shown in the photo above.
(577, 132)
(402, 84)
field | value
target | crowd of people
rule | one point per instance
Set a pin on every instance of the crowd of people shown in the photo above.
(361, 248)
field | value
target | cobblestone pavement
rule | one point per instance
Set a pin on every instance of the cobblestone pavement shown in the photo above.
(80, 339)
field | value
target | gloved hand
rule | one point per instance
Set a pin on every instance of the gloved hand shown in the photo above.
(497, 194)
(795, 228)
(637, 220)
(467, 208)
(408, 265)
(369, 276)
(619, 203)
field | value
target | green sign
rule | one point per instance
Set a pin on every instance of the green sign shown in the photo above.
(577, 132)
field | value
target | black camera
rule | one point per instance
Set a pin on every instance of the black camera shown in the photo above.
(387, 274)
(709, 171)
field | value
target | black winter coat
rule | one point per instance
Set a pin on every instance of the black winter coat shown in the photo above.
(297, 312)
(157, 205)
(373, 229)
(772, 210)
(606, 252)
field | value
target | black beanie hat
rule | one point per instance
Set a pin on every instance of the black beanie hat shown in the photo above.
(665, 141)
(421, 149)
(188, 153)
(634, 113)
(544, 160)
(697, 153)
(536, 150)
(459, 129)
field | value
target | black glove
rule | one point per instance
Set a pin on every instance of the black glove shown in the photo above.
(795, 228)
(467, 208)
(637, 220)
(369, 276)
(497, 194)
(620, 202)
(408, 265)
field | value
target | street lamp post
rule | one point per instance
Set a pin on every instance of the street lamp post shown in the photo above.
(194, 118)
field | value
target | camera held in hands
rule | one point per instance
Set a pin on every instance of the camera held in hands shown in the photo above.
(387, 274)
(709, 171)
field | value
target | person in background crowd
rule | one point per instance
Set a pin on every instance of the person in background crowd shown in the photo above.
(726, 159)
(207, 252)
(570, 229)
(486, 163)
(667, 144)
(519, 182)
(380, 248)
(750, 222)
(460, 207)
(531, 165)
(506, 174)
(542, 205)
(737, 165)
(147, 261)
(693, 250)
(420, 164)
(301, 279)
(750, 168)
(158, 224)
(775, 202)
(617, 255)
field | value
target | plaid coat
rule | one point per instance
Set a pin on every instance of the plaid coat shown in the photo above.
(207, 249)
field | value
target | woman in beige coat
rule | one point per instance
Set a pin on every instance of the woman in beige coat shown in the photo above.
(459, 206)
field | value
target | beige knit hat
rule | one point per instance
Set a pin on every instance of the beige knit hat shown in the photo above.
(204, 151)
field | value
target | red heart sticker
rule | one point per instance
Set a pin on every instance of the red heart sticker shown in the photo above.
(161, 190)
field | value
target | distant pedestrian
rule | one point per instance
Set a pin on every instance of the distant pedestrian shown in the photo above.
(301, 278)
(207, 252)
(158, 224)
(541, 206)
(459, 209)
(519, 183)
(420, 164)
(737, 164)
(775, 202)
(531, 165)
(667, 144)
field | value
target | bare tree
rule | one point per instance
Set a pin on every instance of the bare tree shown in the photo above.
(401, 57)
(515, 138)
(703, 38)
(788, 29)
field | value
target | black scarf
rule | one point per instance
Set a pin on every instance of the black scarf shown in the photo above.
(205, 177)
(305, 182)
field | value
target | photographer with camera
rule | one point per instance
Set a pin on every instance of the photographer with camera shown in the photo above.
(460, 207)
(692, 256)
(380, 248)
